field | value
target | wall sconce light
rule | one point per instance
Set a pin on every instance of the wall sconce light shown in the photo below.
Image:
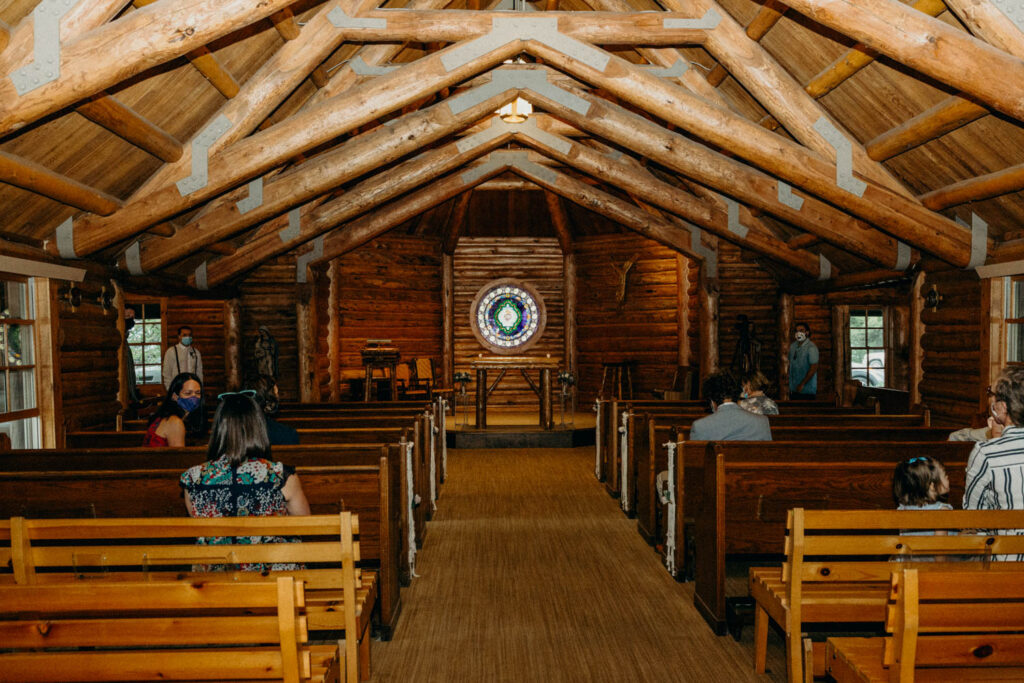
(70, 295)
(932, 299)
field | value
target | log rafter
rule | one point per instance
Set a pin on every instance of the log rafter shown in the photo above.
(31, 176)
(121, 120)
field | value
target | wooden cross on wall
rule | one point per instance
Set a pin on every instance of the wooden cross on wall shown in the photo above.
(623, 273)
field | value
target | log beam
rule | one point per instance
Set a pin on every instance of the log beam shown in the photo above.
(974, 189)
(945, 117)
(988, 22)
(602, 28)
(448, 319)
(315, 177)
(233, 334)
(784, 333)
(569, 299)
(803, 241)
(334, 276)
(30, 176)
(899, 214)
(305, 324)
(284, 22)
(210, 67)
(769, 14)
(456, 221)
(105, 110)
(559, 220)
(708, 292)
(917, 328)
(145, 38)
(953, 57)
(274, 146)
(81, 18)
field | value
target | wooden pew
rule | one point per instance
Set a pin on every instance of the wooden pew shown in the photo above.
(113, 484)
(151, 632)
(838, 564)
(738, 493)
(927, 615)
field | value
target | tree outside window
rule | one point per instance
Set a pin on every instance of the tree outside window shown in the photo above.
(867, 346)
(145, 340)
(19, 411)
(1014, 319)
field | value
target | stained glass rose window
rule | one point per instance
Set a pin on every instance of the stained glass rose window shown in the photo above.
(507, 316)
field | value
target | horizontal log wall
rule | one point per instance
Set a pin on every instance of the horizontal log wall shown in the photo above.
(749, 289)
(206, 318)
(391, 289)
(814, 310)
(535, 260)
(89, 346)
(321, 298)
(644, 327)
(268, 298)
(951, 342)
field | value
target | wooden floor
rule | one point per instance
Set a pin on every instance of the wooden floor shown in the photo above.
(531, 573)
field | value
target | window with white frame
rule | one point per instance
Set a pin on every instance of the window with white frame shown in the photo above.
(867, 346)
(145, 340)
(19, 409)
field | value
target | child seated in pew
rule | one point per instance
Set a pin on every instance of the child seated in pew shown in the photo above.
(920, 483)
(239, 480)
(268, 398)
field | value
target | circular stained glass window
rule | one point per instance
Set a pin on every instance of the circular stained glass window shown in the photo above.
(507, 316)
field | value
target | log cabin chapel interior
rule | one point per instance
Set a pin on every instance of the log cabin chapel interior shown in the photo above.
(497, 247)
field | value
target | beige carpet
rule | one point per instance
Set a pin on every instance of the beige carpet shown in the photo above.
(532, 573)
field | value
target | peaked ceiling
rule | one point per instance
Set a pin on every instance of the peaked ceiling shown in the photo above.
(198, 140)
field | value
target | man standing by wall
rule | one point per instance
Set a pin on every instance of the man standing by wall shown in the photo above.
(182, 357)
(803, 366)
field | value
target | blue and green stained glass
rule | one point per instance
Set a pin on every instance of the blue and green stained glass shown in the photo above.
(507, 316)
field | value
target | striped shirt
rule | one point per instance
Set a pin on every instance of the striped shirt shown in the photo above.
(995, 476)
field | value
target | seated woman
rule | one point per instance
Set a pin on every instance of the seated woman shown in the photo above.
(268, 399)
(754, 399)
(239, 480)
(179, 415)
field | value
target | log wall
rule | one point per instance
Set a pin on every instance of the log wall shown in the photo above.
(645, 326)
(322, 298)
(535, 260)
(391, 289)
(89, 346)
(951, 342)
(268, 297)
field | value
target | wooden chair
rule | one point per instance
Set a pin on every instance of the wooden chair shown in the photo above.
(140, 631)
(339, 596)
(419, 379)
(944, 624)
(839, 564)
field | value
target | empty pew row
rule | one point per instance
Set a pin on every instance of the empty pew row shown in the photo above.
(738, 492)
(103, 484)
(926, 616)
(616, 466)
(837, 571)
(151, 632)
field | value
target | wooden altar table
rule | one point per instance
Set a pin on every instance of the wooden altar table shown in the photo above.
(522, 363)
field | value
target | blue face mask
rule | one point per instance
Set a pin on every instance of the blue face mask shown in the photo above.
(188, 404)
(186, 341)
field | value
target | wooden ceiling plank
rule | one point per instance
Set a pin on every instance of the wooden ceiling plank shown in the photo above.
(797, 165)
(767, 16)
(603, 28)
(107, 111)
(726, 175)
(31, 176)
(354, 157)
(628, 175)
(457, 222)
(559, 220)
(946, 116)
(274, 146)
(144, 39)
(284, 22)
(955, 58)
(388, 184)
(989, 185)
(778, 92)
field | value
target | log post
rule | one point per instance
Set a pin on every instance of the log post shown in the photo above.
(683, 310)
(122, 367)
(709, 326)
(915, 372)
(840, 314)
(447, 320)
(306, 338)
(51, 405)
(569, 296)
(334, 328)
(993, 350)
(785, 331)
(233, 344)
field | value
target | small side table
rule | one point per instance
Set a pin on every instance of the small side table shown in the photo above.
(621, 374)
(385, 358)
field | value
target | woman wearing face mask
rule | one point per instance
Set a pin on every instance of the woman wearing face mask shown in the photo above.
(179, 415)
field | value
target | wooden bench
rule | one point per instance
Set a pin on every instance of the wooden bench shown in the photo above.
(339, 595)
(738, 494)
(143, 631)
(838, 565)
(90, 484)
(948, 624)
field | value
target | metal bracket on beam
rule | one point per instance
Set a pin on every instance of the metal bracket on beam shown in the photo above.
(844, 156)
(709, 21)
(787, 197)
(1013, 9)
(133, 258)
(339, 19)
(529, 128)
(710, 256)
(200, 155)
(45, 65)
(824, 268)
(979, 240)
(902, 255)
(255, 198)
(294, 228)
(515, 79)
(544, 30)
(201, 281)
(361, 68)
(674, 71)
(303, 261)
(66, 240)
(735, 227)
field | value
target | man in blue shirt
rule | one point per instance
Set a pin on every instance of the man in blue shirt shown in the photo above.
(803, 366)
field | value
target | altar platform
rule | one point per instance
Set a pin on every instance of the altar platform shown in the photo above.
(519, 429)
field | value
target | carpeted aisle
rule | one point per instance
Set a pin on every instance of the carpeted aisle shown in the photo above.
(531, 573)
